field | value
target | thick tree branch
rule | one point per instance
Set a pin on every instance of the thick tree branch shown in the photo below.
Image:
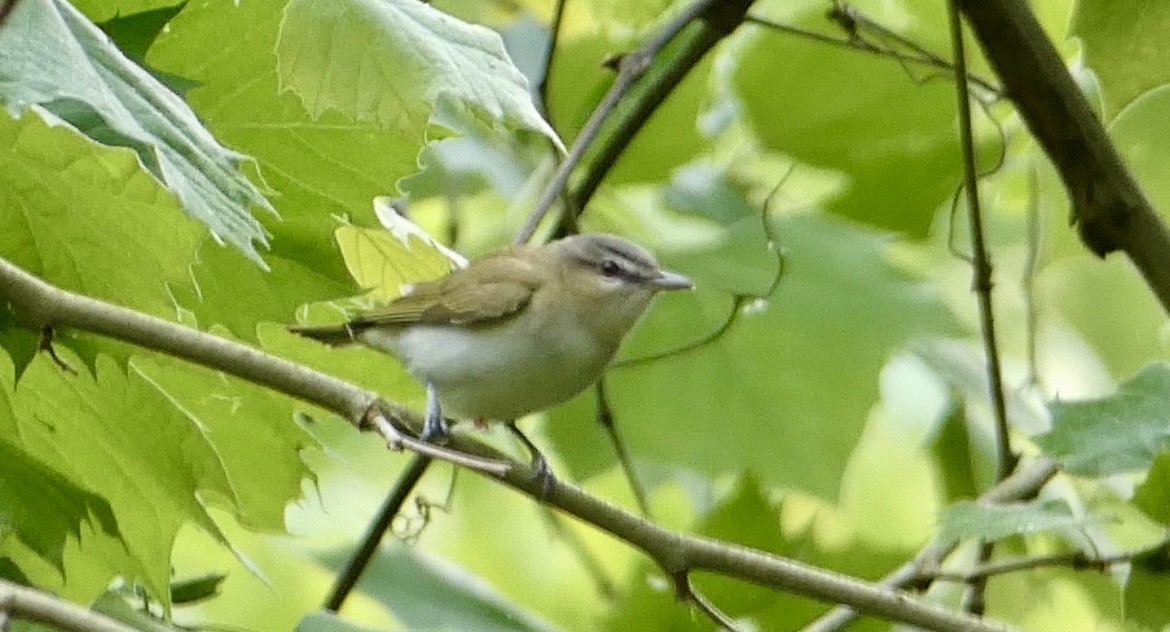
(20, 603)
(41, 304)
(1109, 208)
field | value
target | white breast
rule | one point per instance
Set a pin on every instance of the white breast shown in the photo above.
(499, 372)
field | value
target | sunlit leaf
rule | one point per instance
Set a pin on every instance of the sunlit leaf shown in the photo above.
(389, 62)
(968, 519)
(1119, 433)
(84, 78)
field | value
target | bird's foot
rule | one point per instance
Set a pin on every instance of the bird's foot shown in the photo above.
(435, 428)
(542, 472)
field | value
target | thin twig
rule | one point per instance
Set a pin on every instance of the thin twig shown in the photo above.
(739, 301)
(345, 582)
(1024, 483)
(605, 419)
(40, 304)
(981, 260)
(631, 69)
(1110, 209)
(686, 591)
(859, 43)
(1076, 560)
(975, 596)
(554, 34)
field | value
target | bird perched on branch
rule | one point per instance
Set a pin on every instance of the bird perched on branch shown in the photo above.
(515, 332)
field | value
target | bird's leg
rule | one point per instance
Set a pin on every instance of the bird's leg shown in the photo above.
(539, 463)
(435, 428)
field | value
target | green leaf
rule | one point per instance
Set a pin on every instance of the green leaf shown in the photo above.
(1123, 432)
(87, 217)
(196, 589)
(425, 592)
(1153, 495)
(1124, 44)
(322, 168)
(968, 519)
(160, 445)
(866, 115)
(40, 507)
(82, 76)
(1146, 589)
(239, 420)
(222, 290)
(383, 259)
(134, 33)
(390, 62)
(950, 446)
(784, 392)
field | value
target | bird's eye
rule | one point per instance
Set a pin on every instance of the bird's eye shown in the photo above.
(610, 268)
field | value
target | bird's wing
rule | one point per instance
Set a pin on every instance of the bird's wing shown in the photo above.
(500, 287)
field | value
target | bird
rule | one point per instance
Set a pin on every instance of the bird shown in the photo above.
(515, 332)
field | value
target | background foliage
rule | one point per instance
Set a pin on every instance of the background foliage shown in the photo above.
(804, 185)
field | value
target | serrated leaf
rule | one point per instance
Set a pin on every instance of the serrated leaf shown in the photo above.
(125, 442)
(389, 62)
(1124, 44)
(87, 217)
(322, 168)
(1119, 433)
(40, 507)
(51, 55)
(968, 519)
(425, 592)
(240, 421)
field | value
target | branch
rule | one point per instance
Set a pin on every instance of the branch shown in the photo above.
(1024, 483)
(19, 602)
(718, 20)
(344, 584)
(1109, 208)
(41, 304)
(1076, 560)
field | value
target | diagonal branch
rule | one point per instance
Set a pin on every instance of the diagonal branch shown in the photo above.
(41, 304)
(1109, 208)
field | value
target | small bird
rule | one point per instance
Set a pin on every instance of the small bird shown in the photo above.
(515, 332)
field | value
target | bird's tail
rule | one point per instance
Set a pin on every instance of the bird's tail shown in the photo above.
(332, 335)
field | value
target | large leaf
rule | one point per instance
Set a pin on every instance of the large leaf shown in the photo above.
(390, 62)
(323, 168)
(158, 444)
(1119, 433)
(52, 56)
(87, 217)
(40, 507)
(1124, 44)
(883, 124)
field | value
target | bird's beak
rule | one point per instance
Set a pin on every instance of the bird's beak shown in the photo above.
(668, 280)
